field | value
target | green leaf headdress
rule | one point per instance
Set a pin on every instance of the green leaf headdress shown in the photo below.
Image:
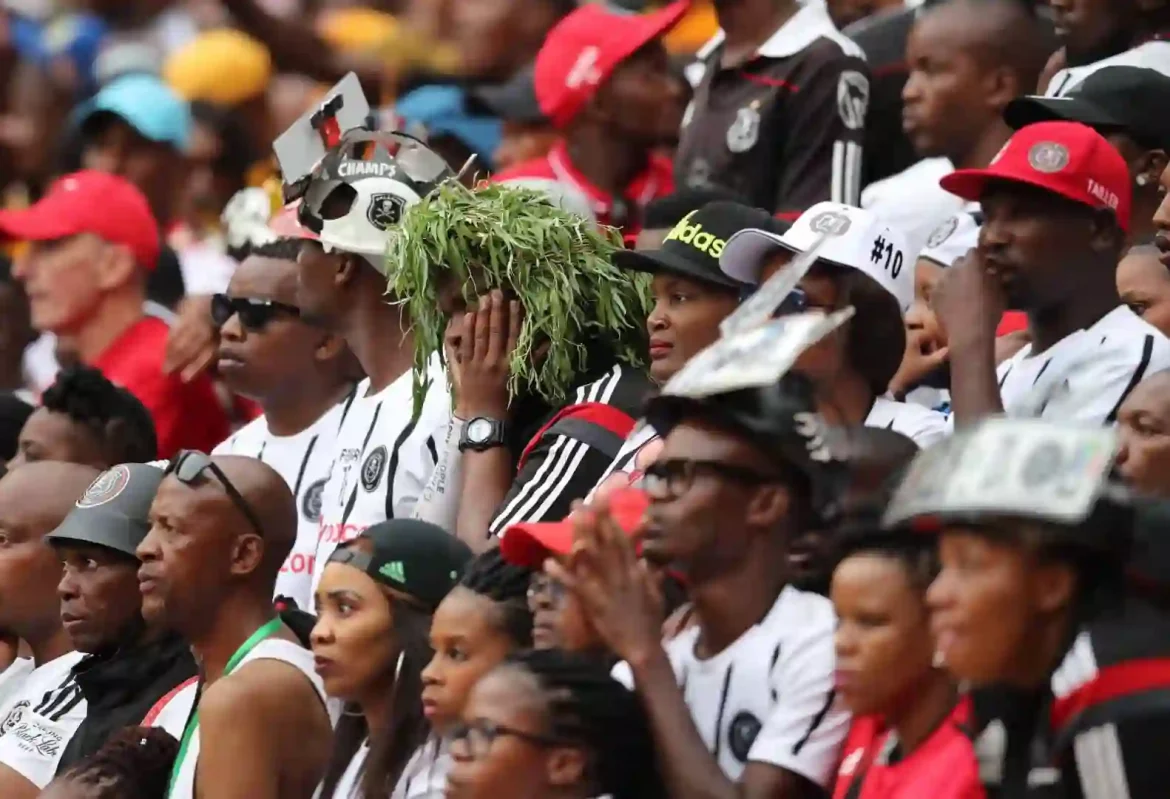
(557, 263)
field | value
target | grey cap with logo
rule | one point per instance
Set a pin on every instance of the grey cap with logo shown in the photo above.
(114, 511)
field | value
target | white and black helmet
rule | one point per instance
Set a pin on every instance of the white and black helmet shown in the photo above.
(359, 190)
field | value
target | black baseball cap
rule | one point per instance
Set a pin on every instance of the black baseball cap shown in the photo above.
(1130, 100)
(693, 246)
(417, 558)
(114, 511)
(514, 100)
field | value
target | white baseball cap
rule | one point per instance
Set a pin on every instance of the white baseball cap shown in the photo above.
(951, 240)
(855, 238)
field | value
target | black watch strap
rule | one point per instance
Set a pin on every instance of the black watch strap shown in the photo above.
(481, 433)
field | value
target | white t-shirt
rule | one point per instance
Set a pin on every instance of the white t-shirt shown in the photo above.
(769, 696)
(913, 202)
(175, 709)
(13, 677)
(303, 460)
(424, 777)
(268, 649)
(1151, 55)
(1085, 376)
(382, 460)
(923, 425)
(40, 717)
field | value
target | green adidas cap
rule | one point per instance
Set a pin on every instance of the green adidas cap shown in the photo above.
(420, 559)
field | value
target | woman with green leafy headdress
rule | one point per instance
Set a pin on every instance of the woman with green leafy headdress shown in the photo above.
(538, 326)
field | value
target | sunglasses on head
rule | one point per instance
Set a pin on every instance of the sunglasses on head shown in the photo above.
(254, 314)
(189, 467)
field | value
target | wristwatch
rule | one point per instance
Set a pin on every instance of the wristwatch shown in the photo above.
(480, 434)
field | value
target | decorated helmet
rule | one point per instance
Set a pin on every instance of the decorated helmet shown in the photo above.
(359, 190)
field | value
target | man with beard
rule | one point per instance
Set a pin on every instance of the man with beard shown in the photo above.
(1056, 204)
(129, 666)
(220, 530)
(1105, 33)
(41, 704)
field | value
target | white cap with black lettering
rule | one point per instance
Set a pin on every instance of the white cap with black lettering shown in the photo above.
(854, 238)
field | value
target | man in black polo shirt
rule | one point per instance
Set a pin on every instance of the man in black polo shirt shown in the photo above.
(779, 108)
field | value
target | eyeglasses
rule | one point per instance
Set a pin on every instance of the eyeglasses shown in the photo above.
(189, 465)
(254, 314)
(479, 735)
(542, 585)
(675, 476)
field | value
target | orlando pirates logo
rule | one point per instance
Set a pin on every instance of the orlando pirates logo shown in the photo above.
(13, 718)
(311, 500)
(373, 467)
(385, 210)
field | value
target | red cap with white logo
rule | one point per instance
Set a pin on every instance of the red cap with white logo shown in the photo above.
(583, 49)
(1066, 158)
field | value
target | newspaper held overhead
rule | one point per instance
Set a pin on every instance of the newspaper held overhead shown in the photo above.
(1025, 468)
(754, 357)
(762, 304)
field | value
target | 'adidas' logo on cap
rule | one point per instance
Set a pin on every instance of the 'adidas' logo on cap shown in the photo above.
(696, 237)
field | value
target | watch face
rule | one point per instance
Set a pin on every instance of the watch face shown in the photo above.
(479, 430)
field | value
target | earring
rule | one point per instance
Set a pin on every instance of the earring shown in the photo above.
(398, 666)
(1143, 180)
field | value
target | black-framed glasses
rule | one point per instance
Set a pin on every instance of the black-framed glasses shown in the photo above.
(189, 466)
(542, 585)
(254, 314)
(478, 736)
(675, 476)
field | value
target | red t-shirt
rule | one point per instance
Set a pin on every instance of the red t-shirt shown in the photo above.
(656, 181)
(186, 415)
(942, 767)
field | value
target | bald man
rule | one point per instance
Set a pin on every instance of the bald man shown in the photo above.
(41, 705)
(220, 530)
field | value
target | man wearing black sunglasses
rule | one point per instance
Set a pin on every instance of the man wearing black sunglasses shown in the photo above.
(302, 376)
(220, 530)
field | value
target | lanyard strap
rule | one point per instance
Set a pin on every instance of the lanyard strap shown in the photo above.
(269, 628)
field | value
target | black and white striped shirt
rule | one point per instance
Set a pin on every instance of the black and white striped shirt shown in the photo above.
(39, 717)
(1106, 744)
(565, 466)
(1086, 375)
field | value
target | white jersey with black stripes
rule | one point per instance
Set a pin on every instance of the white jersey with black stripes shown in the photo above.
(769, 697)
(39, 717)
(303, 460)
(382, 460)
(1086, 375)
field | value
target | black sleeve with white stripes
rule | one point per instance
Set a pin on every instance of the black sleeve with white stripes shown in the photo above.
(559, 469)
(1125, 760)
(822, 158)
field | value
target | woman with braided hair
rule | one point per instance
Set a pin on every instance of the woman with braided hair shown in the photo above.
(478, 624)
(545, 344)
(548, 723)
(134, 764)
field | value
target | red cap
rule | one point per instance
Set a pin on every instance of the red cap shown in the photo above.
(105, 205)
(583, 49)
(529, 544)
(1066, 158)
